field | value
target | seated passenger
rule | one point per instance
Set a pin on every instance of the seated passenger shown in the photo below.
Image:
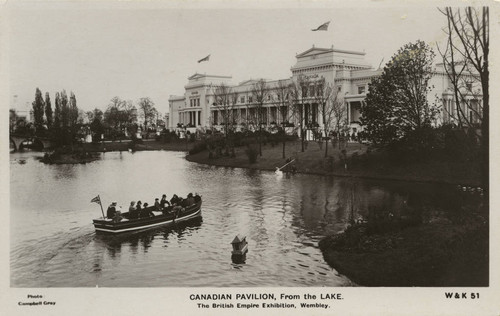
(146, 212)
(175, 200)
(111, 212)
(197, 198)
(132, 206)
(118, 216)
(164, 202)
(177, 210)
(189, 200)
(157, 205)
(134, 213)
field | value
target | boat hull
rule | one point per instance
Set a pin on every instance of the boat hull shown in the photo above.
(109, 227)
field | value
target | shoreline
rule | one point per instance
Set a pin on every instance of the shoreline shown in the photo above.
(312, 162)
(441, 253)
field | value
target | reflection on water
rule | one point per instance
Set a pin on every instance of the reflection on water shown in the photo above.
(54, 244)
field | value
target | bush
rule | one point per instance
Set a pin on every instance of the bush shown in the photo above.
(198, 148)
(252, 154)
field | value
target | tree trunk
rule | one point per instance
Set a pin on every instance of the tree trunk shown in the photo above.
(260, 140)
(326, 147)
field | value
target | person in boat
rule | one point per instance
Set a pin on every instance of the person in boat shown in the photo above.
(111, 212)
(177, 209)
(197, 198)
(118, 216)
(189, 200)
(134, 213)
(132, 206)
(164, 202)
(157, 205)
(175, 200)
(146, 212)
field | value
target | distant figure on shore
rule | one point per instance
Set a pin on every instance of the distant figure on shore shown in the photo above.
(111, 212)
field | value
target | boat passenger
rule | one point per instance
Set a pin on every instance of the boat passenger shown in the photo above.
(134, 211)
(177, 209)
(175, 200)
(146, 212)
(118, 216)
(164, 202)
(157, 205)
(111, 212)
(132, 206)
(190, 199)
(197, 198)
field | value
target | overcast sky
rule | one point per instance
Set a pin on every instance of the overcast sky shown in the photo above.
(135, 50)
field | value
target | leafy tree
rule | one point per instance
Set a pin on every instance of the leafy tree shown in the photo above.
(396, 103)
(38, 107)
(57, 111)
(65, 116)
(96, 123)
(48, 111)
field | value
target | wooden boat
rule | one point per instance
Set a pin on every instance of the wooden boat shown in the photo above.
(171, 216)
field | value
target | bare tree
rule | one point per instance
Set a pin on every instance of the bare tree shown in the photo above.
(285, 108)
(225, 100)
(259, 92)
(148, 111)
(298, 91)
(327, 99)
(465, 59)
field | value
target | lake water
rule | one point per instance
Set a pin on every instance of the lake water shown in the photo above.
(53, 242)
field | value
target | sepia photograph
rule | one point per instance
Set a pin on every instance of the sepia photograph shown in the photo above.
(245, 157)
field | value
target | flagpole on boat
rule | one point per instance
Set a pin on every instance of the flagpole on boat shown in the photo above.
(100, 203)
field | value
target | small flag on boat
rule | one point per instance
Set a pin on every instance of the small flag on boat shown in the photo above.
(97, 200)
(322, 27)
(204, 59)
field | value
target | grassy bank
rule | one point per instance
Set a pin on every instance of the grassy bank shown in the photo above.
(361, 162)
(434, 254)
(140, 146)
(87, 152)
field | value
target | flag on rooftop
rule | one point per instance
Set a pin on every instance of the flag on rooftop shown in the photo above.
(322, 27)
(204, 59)
(97, 200)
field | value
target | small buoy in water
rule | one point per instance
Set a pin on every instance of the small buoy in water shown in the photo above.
(130, 150)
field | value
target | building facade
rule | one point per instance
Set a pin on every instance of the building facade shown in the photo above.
(346, 71)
